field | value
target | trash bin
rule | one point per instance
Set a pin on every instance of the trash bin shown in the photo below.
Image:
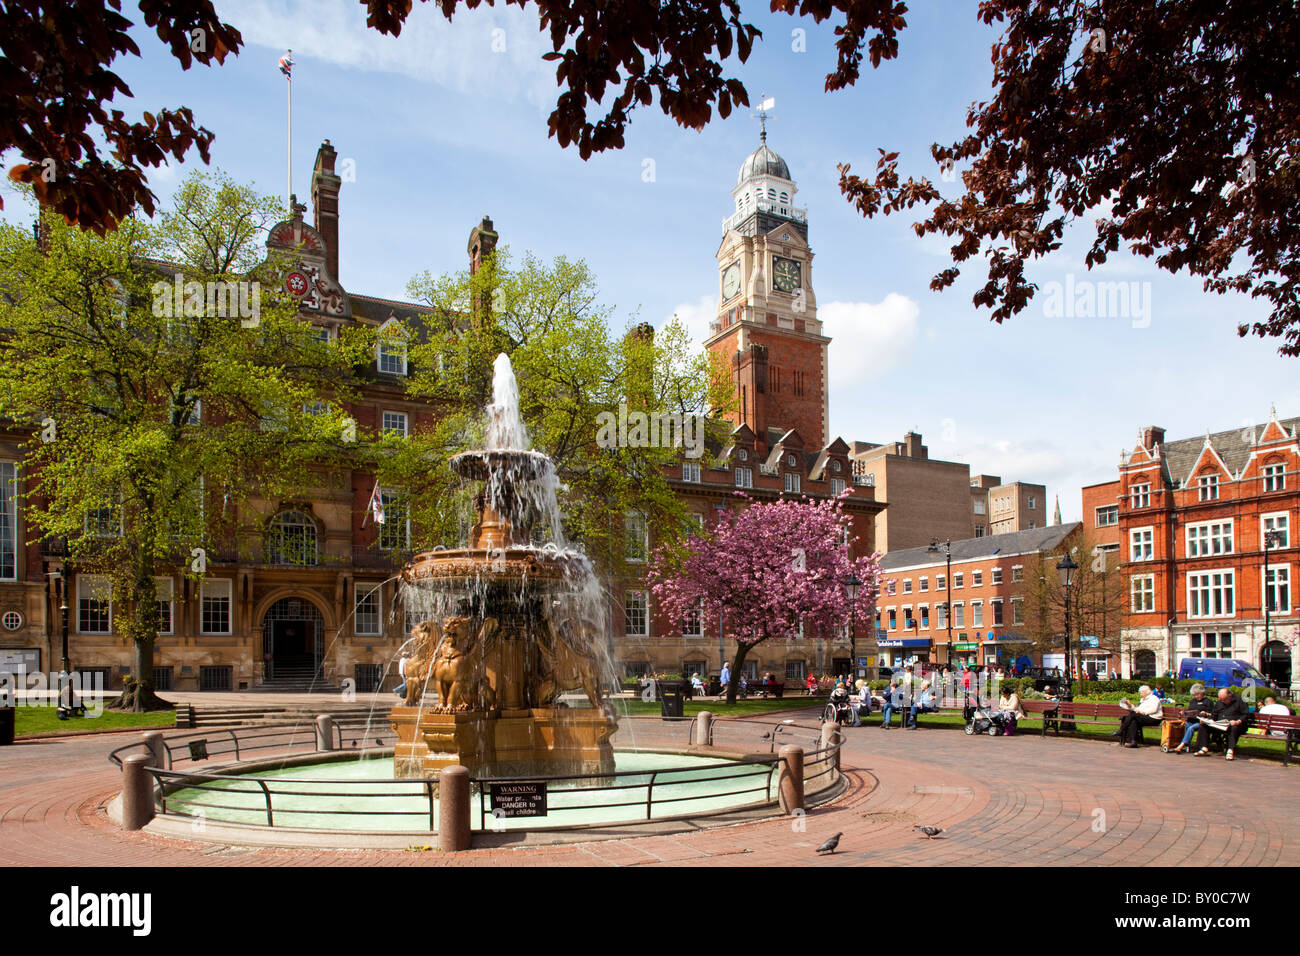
(672, 698)
(7, 724)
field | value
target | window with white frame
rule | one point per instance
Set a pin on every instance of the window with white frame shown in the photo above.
(979, 506)
(958, 581)
(1017, 611)
(996, 576)
(8, 521)
(1209, 538)
(1032, 502)
(636, 617)
(979, 531)
(976, 578)
(893, 619)
(693, 622)
(395, 529)
(959, 614)
(792, 482)
(1279, 527)
(1211, 594)
(395, 423)
(390, 349)
(744, 478)
(1211, 644)
(694, 522)
(976, 613)
(691, 471)
(907, 585)
(291, 539)
(1017, 573)
(636, 538)
(924, 584)
(104, 522)
(214, 611)
(1207, 487)
(941, 615)
(1139, 495)
(164, 589)
(366, 620)
(940, 582)
(1274, 477)
(94, 604)
(997, 611)
(1141, 544)
(837, 487)
(1107, 515)
(1142, 593)
(1277, 589)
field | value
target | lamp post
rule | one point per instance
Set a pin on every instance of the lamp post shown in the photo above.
(851, 585)
(947, 586)
(1066, 568)
(1272, 539)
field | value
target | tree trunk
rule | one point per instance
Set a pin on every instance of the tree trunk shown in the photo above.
(742, 650)
(142, 628)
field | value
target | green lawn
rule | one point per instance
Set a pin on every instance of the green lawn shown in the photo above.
(44, 720)
(642, 708)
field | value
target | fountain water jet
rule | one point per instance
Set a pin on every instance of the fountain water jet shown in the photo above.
(507, 626)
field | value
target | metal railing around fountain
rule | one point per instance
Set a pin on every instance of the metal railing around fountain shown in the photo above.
(752, 770)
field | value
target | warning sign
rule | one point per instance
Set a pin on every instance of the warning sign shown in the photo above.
(519, 799)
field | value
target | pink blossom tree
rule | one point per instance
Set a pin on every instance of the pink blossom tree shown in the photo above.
(769, 570)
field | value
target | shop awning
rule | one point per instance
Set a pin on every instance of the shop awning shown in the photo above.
(905, 642)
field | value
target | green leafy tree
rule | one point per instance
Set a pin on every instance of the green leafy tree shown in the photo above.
(167, 386)
(572, 369)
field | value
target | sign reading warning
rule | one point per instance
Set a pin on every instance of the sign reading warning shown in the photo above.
(519, 799)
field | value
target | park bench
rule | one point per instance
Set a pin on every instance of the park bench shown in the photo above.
(1287, 726)
(1055, 713)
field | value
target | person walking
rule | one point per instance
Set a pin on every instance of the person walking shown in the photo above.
(725, 677)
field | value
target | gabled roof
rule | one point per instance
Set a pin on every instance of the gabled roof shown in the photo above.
(1179, 457)
(972, 549)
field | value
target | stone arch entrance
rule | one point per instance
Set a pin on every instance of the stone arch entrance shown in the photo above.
(293, 640)
(1144, 664)
(1275, 663)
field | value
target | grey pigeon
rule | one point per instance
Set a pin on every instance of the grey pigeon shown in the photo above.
(930, 832)
(830, 845)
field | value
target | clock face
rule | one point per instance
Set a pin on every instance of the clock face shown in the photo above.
(785, 274)
(731, 280)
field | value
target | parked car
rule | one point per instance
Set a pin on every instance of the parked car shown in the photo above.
(1220, 672)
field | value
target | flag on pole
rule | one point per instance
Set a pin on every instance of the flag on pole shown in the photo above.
(286, 64)
(376, 504)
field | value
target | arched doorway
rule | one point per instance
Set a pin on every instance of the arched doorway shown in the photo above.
(1275, 663)
(1144, 664)
(293, 640)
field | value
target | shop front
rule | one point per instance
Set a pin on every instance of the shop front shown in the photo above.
(964, 651)
(900, 652)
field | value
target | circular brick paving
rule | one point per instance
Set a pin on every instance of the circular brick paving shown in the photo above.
(1010, 800)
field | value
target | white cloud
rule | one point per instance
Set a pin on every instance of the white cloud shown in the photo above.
(494, 52)
(869, 338)
(696, 316)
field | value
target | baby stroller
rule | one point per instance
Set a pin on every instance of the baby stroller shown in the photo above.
(982, 719)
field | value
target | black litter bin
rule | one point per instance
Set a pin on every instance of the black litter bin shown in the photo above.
(7, 725)
(672, 696)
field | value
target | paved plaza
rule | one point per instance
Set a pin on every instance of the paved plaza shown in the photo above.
(1021, 800)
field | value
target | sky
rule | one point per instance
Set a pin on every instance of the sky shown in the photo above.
(447, 123)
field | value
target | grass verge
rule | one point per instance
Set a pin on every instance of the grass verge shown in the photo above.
(30, 721)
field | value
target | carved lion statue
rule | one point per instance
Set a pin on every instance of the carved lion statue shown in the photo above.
(564, 667)
(458, 666)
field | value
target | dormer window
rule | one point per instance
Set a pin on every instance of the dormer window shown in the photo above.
(1207, 487)
(390, 350)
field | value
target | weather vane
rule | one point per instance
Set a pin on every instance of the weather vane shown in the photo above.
(764, 108)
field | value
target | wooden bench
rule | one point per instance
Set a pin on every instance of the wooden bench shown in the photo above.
(1285, 725)
(1055, 713)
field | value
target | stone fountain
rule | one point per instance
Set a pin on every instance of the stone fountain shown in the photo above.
(508, 624)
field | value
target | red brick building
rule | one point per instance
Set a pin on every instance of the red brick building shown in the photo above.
(1190, 518)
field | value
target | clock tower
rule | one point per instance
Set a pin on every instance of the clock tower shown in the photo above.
(767, 329)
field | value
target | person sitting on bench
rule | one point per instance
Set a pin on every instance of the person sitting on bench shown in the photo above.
(924, 701)
(1230, 716)
(1009, 707)
(1199, 706)
(1147, 713)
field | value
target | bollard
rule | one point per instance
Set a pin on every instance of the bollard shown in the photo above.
(324, 732)
(704, 729)
(157, 752)
(790, 782)
(831, 737)
(137, 792)
(453, 809)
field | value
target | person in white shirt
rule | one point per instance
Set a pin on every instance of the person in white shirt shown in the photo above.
(1148, 713)
(401, 673)
(1271, 706)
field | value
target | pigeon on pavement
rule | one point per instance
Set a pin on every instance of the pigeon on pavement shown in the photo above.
(830, 845)
(930, 832)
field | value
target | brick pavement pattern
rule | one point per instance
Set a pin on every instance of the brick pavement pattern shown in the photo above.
(1043, 801)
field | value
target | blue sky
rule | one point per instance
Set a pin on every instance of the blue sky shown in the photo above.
(443, 126)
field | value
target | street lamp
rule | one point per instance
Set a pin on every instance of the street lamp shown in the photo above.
(1066, 568)
(851, 585)
(947, 584)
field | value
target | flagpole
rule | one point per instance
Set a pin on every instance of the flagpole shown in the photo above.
(289, 78)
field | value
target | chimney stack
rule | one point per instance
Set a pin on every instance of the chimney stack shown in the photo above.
(325, 201)
(1152, 435)
(482, 243)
